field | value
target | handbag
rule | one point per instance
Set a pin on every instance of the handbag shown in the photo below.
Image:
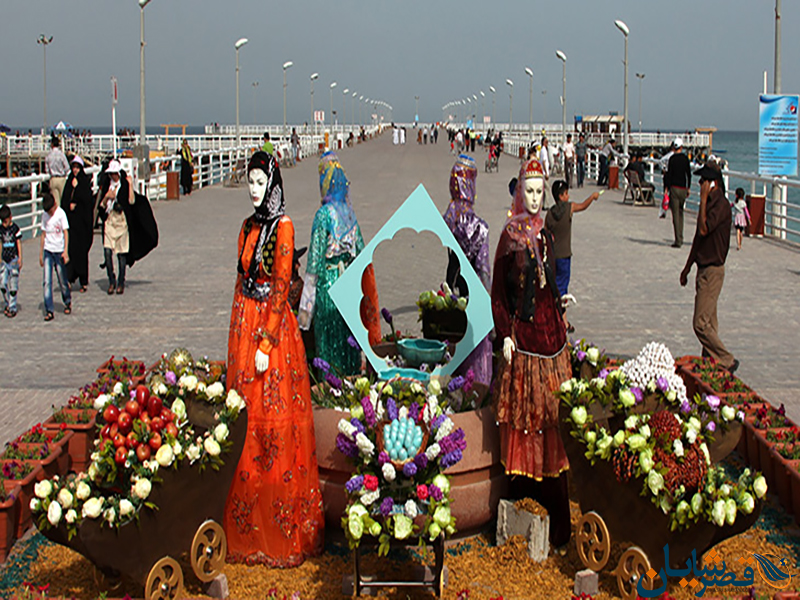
(665, 201)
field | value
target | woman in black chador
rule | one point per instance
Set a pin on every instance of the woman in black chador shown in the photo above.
(78, 202)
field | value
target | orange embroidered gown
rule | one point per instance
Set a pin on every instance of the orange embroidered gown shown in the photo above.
(273, 514)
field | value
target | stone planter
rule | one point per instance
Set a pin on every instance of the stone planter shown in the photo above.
(81, 443)
(784, 471)
(9, 513)
(477, 482)
(24, 519)
(58, 462)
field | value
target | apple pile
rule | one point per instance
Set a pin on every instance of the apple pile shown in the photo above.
(142, 425)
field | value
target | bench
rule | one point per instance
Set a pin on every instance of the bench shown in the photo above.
(640, 195)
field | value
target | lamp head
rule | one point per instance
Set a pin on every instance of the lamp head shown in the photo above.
(482, 94)
(333, 85)
(355, 94)
(474, 97)
(361, 97)
(143, 3)
(314, 76)
(345, 91)
(239, 43)
(622, 27)
(529, 71)
(288, 64)
(561, 55)
(491, 89)
(509, 83)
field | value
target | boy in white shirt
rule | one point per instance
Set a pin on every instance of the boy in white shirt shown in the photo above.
(53, 254)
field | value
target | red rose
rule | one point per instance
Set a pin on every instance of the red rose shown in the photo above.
(422, 492)
(371, 482)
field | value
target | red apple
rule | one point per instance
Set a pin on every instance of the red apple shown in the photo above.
(156, 424)
(171, 429)
(167, 415)
(155, 441)
(121, 455)
(110, 413)
(132, 440)
(154, 406)
(142, 394)
(119, 440)
(104, 432)
(132, 408)
(113, 430)
(125, 423)
(143, 452)
(145, 417)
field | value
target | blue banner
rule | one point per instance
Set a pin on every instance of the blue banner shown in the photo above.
(777, 135)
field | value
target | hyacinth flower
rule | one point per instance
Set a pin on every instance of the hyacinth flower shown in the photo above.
(387, 316)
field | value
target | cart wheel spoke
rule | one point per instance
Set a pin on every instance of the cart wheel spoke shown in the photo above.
(209, 549)
(593, 541)
(165, 581)
(633, 565)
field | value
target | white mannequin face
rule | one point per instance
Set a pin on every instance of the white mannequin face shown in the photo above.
(258, 186)
(533, 194)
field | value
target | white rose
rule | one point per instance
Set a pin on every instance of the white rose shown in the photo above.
(677, 448)
(118, 388)
(718, 512)
(165, 456)
(177, 448)
(54, 513)
(410, 508)
(566, 387)
(578, 415)
(402, 413)
(109, 514)
(43, 489)
(728, 413)
(644, 430)
(35, 503)
(389, 473)
(593, 355)
(627, 398)
(125, 507)
(92, 472)
(234, 401)
(416, 388)
(704, 449)
(221, 432)
(631, 422)
(141, 489)
(370, 497)
(211, 446)
(100, 402)
(83, 491)
(434, 387)
(694, 423)
(691, 436)
(92, 508)
(189, 382)
(193, 453)
(71, 516)
(215, 390)
(65, 498)
(760, 486)
(179, 409)
(201, 388)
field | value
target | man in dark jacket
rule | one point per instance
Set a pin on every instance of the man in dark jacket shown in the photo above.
(678, 180)
(709, 251)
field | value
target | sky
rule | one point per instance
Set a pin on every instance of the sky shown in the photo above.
(703, 61)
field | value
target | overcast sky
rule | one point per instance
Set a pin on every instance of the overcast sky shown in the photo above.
(703, 61)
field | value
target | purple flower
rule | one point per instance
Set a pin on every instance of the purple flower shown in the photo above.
(686, 408)
(413, 411)
(435, 493)
(132, 394)
(456, 383)
(603, 373)
(369, 412)
(421, 461)
(580, 355)
(469, 380)
(321, 364)
(437, 422)
(712, 427)
(391, 409)
(333, 380)
(346, 446)
(387, 316)
(409, 469)
(358, 425)
(171, 378)
(386, 506)
(354, 484)
(449, 459)
(662, 383)
(383, 458)
(713, 402)
(353, 343)
(637, 392)
(454, 441)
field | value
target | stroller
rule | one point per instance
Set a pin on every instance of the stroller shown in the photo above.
(493, 158)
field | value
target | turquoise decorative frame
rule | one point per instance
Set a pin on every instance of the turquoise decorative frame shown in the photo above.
(419, 213)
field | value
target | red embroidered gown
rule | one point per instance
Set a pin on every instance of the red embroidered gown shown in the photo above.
(273, 515)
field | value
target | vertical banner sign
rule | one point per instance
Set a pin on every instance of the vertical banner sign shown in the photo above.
(114, 96)
(777, 135)
(319, 116)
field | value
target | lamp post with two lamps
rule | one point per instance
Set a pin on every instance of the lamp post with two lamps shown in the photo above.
(494, 95)
(640, 76)
(563, 58)
(287, 65)
(510, 85)
(333, 85)
(529, 73)
(625, 31)
(239, 43)
(45, 41)
(314, 77)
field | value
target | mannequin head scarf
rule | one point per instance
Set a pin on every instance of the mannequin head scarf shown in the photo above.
(522, 226)
(335, 191)
(462, 189)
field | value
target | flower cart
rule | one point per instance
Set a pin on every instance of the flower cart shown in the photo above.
(133, 512)
(645, 475)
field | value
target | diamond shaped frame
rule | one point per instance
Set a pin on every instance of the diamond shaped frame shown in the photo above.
(419, 213)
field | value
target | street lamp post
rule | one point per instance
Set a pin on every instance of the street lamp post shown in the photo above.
(491, 89)
(44, 41)
(344, 107)
(640, 76)
(255, 101)
(333, 85)
(416, 109)
(314, 76)
(483, 106)
(142, 128)
(241, 42)
(563, 58)
(353, 108)
(625, 31)
(544, 107)
(529, 73)
(287, 65)
(510, 85)
(360, 110)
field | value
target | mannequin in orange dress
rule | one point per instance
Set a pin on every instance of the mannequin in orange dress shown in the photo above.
(273, 515)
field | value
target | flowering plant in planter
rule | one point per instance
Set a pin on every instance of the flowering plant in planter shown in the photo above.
(37, 435)
(584, 352)
(139, 437)
(400, 441)
(784, 436)
(16, 470)
(15, 452)
(768, 417)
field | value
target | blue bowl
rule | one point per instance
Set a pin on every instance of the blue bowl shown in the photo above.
(419, 351)
(420, 376)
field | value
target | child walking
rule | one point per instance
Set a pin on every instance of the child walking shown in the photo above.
(741, 216)
(11, 264)
(53, 254)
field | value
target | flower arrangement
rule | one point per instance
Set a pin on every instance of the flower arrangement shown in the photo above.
(442, 299)
(584, 352)
(768, 417)
(37, 435)
(666, 450)
(400, 441)
(139, 436)
(16, 470)
(15, 452)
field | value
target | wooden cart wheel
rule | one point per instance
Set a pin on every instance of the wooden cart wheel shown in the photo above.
(165, 581)
(632, 566)
(593, 541)
(209, 549)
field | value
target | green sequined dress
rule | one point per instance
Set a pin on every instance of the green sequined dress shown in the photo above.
(327, 260)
